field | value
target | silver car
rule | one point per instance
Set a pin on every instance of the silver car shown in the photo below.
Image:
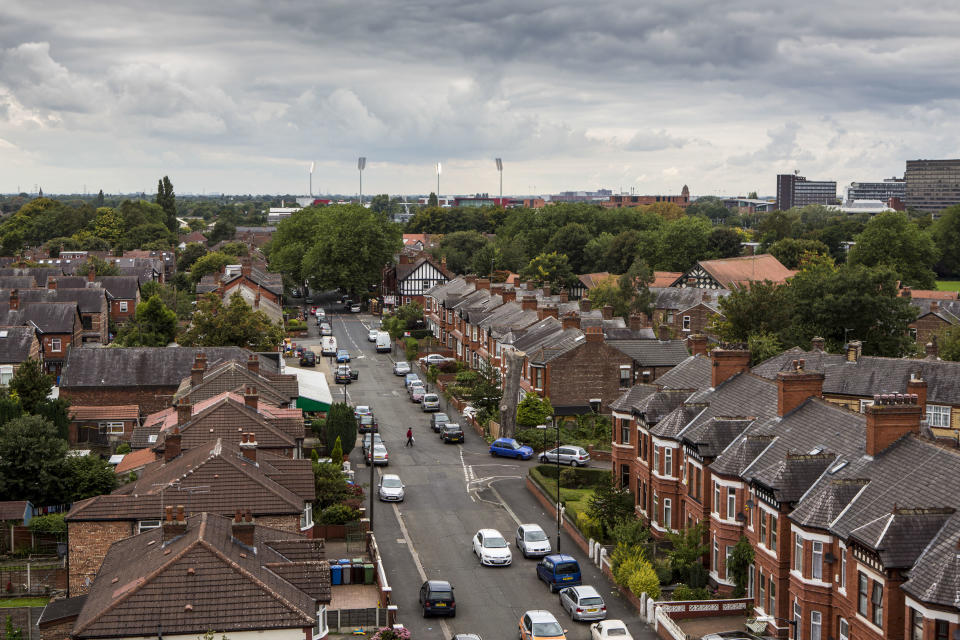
(390, 488)
(367, 437)
(325, 329)
(583, 603)
(568, 454)
(372, 335)
(532, 541)
(379, 456)
(401, 368)
(430, 402)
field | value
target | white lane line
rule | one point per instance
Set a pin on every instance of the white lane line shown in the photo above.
(505, 505)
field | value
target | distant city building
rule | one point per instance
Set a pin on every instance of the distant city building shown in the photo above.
(883, 191)
(932, 185)
(620, 201)
(276, 214)
(873, 207)
(581, 196)
(796, 191)
(748, 205)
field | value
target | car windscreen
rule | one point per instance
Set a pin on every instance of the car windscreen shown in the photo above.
(391, 483)
(366, 419)
(547, 629)
(440, 595)
(534, 536)
(567, 567)
(441, 417)
(616, 631)
(494, 543)
(511, 445)
(431, 397)
(591, 602)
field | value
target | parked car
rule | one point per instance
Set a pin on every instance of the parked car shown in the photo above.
(540, 625)
(401, 368)
(583, 603)
(361, 409)
(469, 412)
(532, 541)
(437, 421)
(383, 343)
(411, 377)
(328, 346)
(347, 303)
(558, 571)
(466, 636)
(343, 355)
(435, 358)
(343, 375)
(430, 402)
(367, 424)
(573, 456)
(355, 307)
(490, 547)
(390, 488)
(308, 359)
(321, 314)
(451, 433)
(733, 635)
(325, 329)
(510, 448)
(372, 335)
(369, 437)
(436, 598)
(417, 392)
(377, 455)
(610, 629)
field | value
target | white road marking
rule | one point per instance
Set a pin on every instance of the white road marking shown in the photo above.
(505, 505)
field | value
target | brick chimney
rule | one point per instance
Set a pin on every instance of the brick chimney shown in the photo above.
(889, 418)
(404, 258)
(470, 278)
(51, 282)
(253, 364)
(509, 294)
(593, 334)
(242, 527)
(483, 283)
(607, 312)
(933, 351)
(528, 303)
(547, 311)
(14, 300)
(256, 299)
(196, 373)
(934, 306)
(585, 304)
(91, 275)
(570, 321)
(697, 343)
(564, 296)
(817, 344)
(443, 263)
(906, 293)
(246, 268)
(171, 445)
(546, 291)
(184, 410)
(636, 322)
(854, 349)
(663, 332)
(251, 397)
(796, 385)
(173, 526)
(917, 386)
(248, 446)
(726, 363)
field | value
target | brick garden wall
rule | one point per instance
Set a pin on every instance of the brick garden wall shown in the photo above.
(87, 544)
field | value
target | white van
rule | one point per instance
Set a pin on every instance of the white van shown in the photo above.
(328, 347)
(383, 342)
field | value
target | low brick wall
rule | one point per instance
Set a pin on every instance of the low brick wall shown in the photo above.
(568, 526)
(681, 610)
(600, 455)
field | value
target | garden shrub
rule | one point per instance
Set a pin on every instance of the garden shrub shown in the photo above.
(589, 527)
(683, 592)
(339, 514)
(569, 479)
(589, 478)
(697, 576)
(664, 571)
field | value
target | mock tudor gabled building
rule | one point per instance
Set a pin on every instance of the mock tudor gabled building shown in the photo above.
(734, 273)
(413, 275)
(214, 477)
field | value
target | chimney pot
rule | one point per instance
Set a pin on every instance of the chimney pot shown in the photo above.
(253, 364)
(528, 303)
(585, 304)
(817, 343)
(607, 312)
(933, 352)
(570, 321)
(934, 306)
(171, 445)
(889, 420)
(169, 511)
(248, 446)
(726, 363)
(697, 344)
(796, 386)
(251, 397)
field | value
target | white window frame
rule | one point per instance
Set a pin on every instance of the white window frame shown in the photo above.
(112, 427)
(667, 514)
(716, 498)
(938, 416)
(816, 621)
(798, 553)
(686, 323)
(6, 373)
(123, 306)
(624, 377)
(56, 345)
(843, 570)
(656, 459)
(816, 565)
(716, 554)
(864, 404)
(750, 581)
(306, 517)
(147, 525)
(731, 503)
(656, 508)
(797, 620)
(843, 629)
(668, 462)
(728, 551)
(320, 628)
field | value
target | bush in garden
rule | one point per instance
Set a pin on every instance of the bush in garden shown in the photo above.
(339, 514)
(386, 633)
(588, 526)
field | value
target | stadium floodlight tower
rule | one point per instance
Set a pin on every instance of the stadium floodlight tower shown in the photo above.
(439, 171)
(361, 165)
(500, 169)
(311, 178)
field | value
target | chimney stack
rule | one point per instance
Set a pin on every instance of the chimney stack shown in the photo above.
(636, 322)
(248, 446)
(585, 304)
(173, 526)
(854, 349)
(570, 321)
(51, 282)
(91, 275)
(726, 363)
(933, 351)
(251, 397)
(171, 445)
(917, 386)
(242, 527)
(890, 417)
(253, 364)
(528, 303)
(14, 300)
(697, 343)
(817, 344)
(246, 268)
(509, 294)
(663, 332)
(199, 367)
(564, 296)
(184, 410)
(546, 291)
(934, 306)
(593, 334)
(796, 385)
(607, 312)
(483, 283)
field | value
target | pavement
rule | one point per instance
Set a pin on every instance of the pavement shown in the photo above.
(451, 492)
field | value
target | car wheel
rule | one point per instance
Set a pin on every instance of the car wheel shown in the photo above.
(492, 453)
(574, 463)
(453, 614)
(543, 459)
(424, 613)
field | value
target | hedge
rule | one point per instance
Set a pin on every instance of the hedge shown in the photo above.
(586, 477)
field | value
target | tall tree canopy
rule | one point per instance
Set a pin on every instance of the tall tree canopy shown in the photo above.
(892, 239)
(167, 201)
(216, 325)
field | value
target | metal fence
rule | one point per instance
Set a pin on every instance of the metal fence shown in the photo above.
(32, 579)
(350, 619)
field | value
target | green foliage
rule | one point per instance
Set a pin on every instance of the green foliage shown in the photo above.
(481, 388)
(697, 576)
(589, 527)
(382, 204)
(433, 372)
(338, 514)
(123, 448)
(763, 346)
(533, 410)
(223, 229)
(57, 412)
(190, 254)
(154, 325)
(332, 487)
(90, 476)
(459, 249)
(9, 406)
(99, 266)
(631, 532)
(628, 294)
(948, 343)
(792, 252)
(174, 297)
(586, 477)
(632, 570)
(571, 240)
(404, 318)
(550, 269)
(688, 547)
(738, 564)
(341, 425)
(610, 505)
(167, 201)
(946, 235)
(684, 593)
(891, 239)
(32, 461)
(216, 325)
(238, 249)
(209, 263)
(52, 524)
(664, 572)
(31, 384)
(337, 453)
(411, 348)
(13, 632)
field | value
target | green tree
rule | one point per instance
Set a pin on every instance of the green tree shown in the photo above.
(459, 248)
(610, 505)
(791, 251)
(223, 229)
(481, 388)
(190, 254)
(52, 524)
(99, 266)
(551, 269)
(571, 241)
(433, 201)
(89, 476)
(236, 324)
(337, 453)
(154, 325)
(595, 253)
(948, 343)
(382, 204)
(738, 565)
(167, 201)
(9, 406)
(57, 412)
(32, 461)
(763, 346)
(630, 293)
(533, 410)
(31, 384)
(683, 242)
(946, 235)
(331, 484)
(291, 241)
(237, 248)
(404, 318)
(108, 225)
(341, 426)
(174, 297)
(145, 235)
(688, 546)
(723, 242)
(892, 239)
(763, 309)
(210, 263)
(429, 219)
(98, 201)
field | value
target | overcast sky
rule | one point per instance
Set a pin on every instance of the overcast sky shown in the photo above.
(240, 96)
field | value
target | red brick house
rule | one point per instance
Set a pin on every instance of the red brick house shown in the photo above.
(123, 293)
(57, 324)
(103, 426)
(16, 345)
(412, 275)
(91, 303)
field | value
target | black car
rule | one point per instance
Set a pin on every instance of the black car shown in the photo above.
(308, 359)
(451, 433)
(437, 421)
(343, 375)
(367, 424)
(436, 599)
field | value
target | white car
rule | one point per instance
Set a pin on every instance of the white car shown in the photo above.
(372, 335)
(401, 368)
(610, 629)
(469, 412)
(434, 358)
(321, 314)
(532, 541)
(491, 548)
(390, 488)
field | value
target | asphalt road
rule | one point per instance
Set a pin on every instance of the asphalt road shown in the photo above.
(451, 492)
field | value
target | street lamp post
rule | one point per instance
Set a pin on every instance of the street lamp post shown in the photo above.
(500, 169)
(559, 502)
(361, 165)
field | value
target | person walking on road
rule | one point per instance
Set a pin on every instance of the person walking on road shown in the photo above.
(409, 437)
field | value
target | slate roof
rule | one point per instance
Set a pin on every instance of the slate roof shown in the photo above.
(228, 416)
(144, 366)
(742, 396)
(236, 376)
(947, 310)
(120, 287)
(50, 317)
(15, 345)
(655, 407)
(560, 344)
(871, 375)
(712, 437)
(447, 291)
(826, 501)
(740, 454)
(68, 282)
(61, 609)
(900, 536)
(632, 397)
(672, 424)
(404, 270)
(17, 282)
(39, 274)
(692, 373)
(681, 299)
(528, 338)
(87, 300)
(145, 584)
(935, 577)
(653, 353)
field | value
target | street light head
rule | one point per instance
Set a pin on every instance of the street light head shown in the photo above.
(361, 163)
(311, 167)
(499, 164)
(439, 169)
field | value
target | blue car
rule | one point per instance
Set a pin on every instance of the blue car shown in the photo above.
(558, 571)
(510, 448)
(343, 355)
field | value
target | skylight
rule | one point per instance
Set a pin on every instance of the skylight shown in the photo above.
(837, 467)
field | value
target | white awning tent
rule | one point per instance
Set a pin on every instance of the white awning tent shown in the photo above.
(314, 391)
